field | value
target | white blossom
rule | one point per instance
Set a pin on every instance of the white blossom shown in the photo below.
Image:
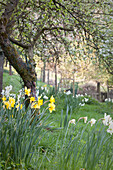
(106, 100)
(68, 92)
(106, 119)
(86, 99)
(92, 121)
(3, 92)
(45, 97)
(81, 104)
(42, 88)
(85, 119)
(110, 129)
(72, 121)
(13, 95)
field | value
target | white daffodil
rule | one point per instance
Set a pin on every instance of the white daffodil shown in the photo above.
(86, 99)
(78, 95)
(111, 122)
(37, 93)
(68, 92)
(92, 121)
(45, 97)
(8, 88)
(106, 100)
(72, 121)
(42, 88)
(13, 95)
(81, 104)
(3, 92)
(85, 119)
(106, 119)
(110, 129)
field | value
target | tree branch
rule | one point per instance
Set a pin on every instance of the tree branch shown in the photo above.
(19, 43)
(3, 3)
(49, 29)
(77, 19)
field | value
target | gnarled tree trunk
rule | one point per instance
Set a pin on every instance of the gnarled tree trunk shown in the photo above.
(1, 71)
(26, 71)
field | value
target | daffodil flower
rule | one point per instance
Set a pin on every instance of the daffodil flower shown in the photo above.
(51, 107)
(92, 121)
(52, 99)
(85, 119)
(72, 121)
(19, 106)
(3, 98)
(68, 92)
(40, 101)
(12, 101)
(7, 104)
(110, 129)
(106, 119)
(32, 99)
(27, 91)
(45, 97)
(35, 105)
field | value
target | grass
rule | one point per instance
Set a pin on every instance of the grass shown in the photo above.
(15, 81)
(59, 145)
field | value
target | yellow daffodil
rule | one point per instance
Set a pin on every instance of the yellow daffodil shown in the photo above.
(27, 91)
(7, 104)
(52, 99)
(51, 86)
(40, 101)
(18, 105)
(35, 105)
(32, 99)
(3, 98)
(51, 107)
(45, 85)
(12, 101)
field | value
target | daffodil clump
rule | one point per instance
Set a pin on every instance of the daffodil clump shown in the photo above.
(107, 121)
(36, 104)
(10, 102)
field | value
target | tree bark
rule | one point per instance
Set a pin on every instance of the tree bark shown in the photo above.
(25, 70)
(1, 71)
(55, 77)
(44, 71)
(10, 70)
(48, 77)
